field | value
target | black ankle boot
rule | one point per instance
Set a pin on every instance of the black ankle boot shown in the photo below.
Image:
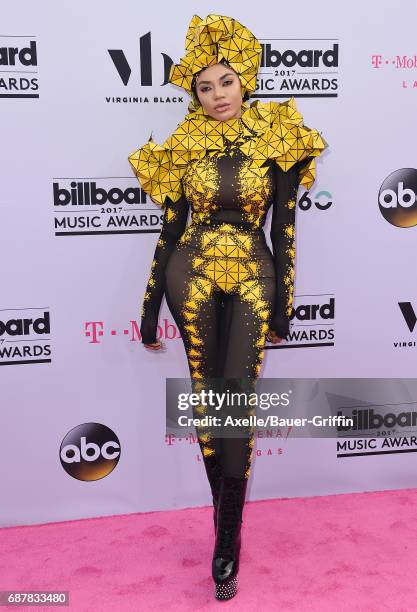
(225, 565)
(215, 496)
(214, 475)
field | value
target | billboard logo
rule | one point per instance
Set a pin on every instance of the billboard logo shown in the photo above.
(17, 61)
(25, 336)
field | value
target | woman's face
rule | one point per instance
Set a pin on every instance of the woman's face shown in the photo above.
(219, 92)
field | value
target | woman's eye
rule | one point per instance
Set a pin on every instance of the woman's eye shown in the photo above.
(204, 89)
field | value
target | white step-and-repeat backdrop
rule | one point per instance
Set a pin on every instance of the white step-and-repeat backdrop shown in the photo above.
(82, 85)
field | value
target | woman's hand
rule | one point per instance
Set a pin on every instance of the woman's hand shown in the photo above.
(273, 337)
(155, 346)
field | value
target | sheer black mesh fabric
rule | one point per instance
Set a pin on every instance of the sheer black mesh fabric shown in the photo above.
(226, 324)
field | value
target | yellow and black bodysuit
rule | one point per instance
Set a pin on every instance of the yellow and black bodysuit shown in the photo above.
(223, 285)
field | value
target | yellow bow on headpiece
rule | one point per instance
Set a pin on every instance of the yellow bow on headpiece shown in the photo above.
(213, 40)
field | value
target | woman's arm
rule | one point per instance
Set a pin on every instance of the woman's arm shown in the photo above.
(283, 244)
(173, 226)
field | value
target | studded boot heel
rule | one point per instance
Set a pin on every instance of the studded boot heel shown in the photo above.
(225, 564)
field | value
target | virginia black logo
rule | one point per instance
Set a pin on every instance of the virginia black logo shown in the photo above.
(145, 63)
(90, 451)
(397, 198)
(408, 314)
(410, 319)
(13, 60)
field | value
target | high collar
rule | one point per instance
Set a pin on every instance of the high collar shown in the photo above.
(263, 131)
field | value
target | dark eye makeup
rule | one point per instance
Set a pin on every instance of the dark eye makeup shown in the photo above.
(205, 87)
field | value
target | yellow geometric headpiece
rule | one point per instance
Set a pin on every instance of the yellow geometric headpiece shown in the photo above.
(213, 40)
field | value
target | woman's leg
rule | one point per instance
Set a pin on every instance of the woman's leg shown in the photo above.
(220, 288)
(251, 308)
(249, 315)
(197, 311)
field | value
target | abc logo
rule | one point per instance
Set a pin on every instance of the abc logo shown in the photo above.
(398, 198)
(90, 451)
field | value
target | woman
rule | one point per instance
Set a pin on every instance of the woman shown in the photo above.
(229, 161)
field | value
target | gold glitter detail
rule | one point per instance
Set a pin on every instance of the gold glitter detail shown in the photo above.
(200, 185)
(287, 246)
(255, 187)
(224, 263)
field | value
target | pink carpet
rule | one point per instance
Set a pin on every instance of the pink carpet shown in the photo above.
(347, 552)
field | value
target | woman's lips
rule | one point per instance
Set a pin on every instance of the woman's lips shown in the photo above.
(222, 108)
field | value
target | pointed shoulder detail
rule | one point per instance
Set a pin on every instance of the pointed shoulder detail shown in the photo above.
(264, 131)
(156, 172)
(288, 141)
